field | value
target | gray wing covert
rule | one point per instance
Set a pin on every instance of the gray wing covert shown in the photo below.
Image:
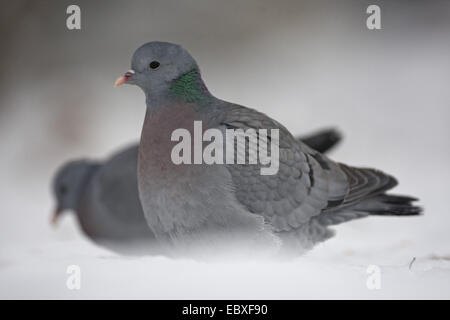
(304, 185)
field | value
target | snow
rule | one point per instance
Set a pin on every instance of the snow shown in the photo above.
(34, 258)
(40, 272)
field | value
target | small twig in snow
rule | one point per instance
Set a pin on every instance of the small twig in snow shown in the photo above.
(411, 263)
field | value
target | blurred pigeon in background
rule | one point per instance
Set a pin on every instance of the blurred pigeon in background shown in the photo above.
(105, 200)
(322, 141)
(205, 205)
(104, 197)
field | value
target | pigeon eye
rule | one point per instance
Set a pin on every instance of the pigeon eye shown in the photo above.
(62, 190)
(154, 65)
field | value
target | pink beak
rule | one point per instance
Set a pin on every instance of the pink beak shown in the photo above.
(55, 217)
(121, 80)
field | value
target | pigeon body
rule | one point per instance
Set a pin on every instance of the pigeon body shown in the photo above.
(210, 205)
(105, 200)
(104, 197)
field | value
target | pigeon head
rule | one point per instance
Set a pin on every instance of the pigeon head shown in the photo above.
(161, 69)
(68, 185)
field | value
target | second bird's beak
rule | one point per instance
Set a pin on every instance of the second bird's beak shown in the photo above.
(55, 216)
(121, 80)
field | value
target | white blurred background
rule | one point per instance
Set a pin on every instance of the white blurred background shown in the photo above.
(308, 64)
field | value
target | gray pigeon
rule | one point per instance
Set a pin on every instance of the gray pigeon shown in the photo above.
(231, 206)
(104, 197)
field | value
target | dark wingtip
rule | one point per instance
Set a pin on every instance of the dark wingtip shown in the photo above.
(397, 199)
(398, 205)
(323, 140)
(334, 134)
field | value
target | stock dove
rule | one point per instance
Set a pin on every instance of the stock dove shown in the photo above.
(196, 204)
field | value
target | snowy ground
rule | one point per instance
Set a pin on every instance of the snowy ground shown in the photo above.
(308, 66)
(333, 271)
(34, 258)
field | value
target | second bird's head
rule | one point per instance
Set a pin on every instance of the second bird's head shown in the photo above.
(156, 65)
(69, 183)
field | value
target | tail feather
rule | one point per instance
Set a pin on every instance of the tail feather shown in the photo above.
(380, 205)
(393, 205)
(322, 141)
(396, 199)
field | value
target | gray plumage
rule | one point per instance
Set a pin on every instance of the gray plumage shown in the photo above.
(211, 205)
(104, 197)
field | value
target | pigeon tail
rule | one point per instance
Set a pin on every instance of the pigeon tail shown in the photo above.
(380, 205)
(392, 205)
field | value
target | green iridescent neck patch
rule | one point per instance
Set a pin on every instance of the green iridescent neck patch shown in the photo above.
(189, 87)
